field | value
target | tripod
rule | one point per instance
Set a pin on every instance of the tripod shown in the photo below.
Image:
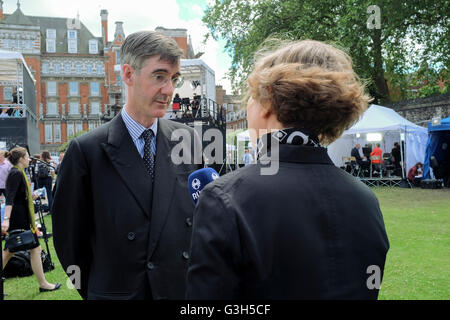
(45, 235)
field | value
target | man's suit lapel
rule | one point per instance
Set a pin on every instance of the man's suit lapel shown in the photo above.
(126, 160)
(165, 177)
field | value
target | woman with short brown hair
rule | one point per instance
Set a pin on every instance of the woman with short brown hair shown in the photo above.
(307, 230)
(19, 213)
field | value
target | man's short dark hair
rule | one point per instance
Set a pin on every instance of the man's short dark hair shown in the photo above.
(140, 46)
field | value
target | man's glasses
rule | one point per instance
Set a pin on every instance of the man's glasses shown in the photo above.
(161, 80)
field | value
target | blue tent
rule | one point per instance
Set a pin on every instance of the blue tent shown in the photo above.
(437, 136)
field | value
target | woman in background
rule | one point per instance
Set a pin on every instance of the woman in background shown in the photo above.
(19, 213)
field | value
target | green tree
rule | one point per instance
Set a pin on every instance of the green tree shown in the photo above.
(65, 145)
(411, 32)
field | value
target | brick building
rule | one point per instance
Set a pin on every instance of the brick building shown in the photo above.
(236, 116)
(78, 82)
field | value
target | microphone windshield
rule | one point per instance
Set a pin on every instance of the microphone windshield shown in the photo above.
(199, 179)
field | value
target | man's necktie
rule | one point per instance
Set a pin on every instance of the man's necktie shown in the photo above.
(149, 159)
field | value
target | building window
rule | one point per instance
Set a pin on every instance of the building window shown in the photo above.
(45, 68)
(95, 91)
(99, 68)
(67, 68)
(29, 44)
(57, 129)
(51, 33)
(48, 133)
(78, 127)
(51, 88)
(117, 56)
(73, 88)
(95, 107)
(51, 45)
(74, 108)
(78, 68)
(52, 108)
(56, 68)
(93, 46)
(89, 68)
(118, 80)
(72, 46)
(7, 93)
(70, 129)
(93, 125)
(72, 34)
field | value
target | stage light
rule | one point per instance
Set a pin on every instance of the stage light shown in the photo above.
(358, 135)
(374, 137)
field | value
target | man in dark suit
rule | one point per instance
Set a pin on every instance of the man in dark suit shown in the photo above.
(122, 214)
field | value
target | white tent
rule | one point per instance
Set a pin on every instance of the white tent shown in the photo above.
(391, 126)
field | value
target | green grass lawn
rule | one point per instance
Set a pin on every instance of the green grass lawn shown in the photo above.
(417, 266)
(27, 288)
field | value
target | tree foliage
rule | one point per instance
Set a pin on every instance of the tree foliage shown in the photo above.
(412, 32)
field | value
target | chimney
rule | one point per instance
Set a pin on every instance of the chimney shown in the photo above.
(1, 10)
(119, 31)
(104, 15)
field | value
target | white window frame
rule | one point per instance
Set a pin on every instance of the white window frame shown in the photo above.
(50, 45)
(100, 68)
(57, 132)
(72, 34)
(78, 68)
(67, 68)
(51, 93)
(78, 126)
(48, 132)
(52, 108)
(45, 68)
(93, 46)
(72, 46)
(95, 93)
(70, 129)
(96, 110)
(51, 34)
(74, 108)
(57, 68)
(73, 93)
(89, 68)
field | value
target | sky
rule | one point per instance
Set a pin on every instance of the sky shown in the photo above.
(138, 15)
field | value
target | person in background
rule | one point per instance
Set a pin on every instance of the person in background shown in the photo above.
(248, 158)
(61, 156)
(415, 174)
(19, 213)
(176, 104)
(5, 166)
(378, 153)
(307, 230)
(45, 173)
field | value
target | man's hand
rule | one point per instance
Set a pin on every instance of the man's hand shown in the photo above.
(5, 226)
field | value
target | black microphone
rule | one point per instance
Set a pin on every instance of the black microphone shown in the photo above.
(199, 179)
(39, 160)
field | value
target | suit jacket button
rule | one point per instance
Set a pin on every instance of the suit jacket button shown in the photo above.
(150, 266)
(189, 222)
(131, 236)
(185, 255)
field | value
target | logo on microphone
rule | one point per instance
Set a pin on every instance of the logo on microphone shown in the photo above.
(214, 176)
(196, 184)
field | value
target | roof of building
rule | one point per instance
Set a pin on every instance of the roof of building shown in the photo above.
(61, 25)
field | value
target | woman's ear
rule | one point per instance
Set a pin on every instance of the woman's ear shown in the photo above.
(266, 110)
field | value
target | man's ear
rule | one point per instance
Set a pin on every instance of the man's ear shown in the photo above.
(128, 74)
